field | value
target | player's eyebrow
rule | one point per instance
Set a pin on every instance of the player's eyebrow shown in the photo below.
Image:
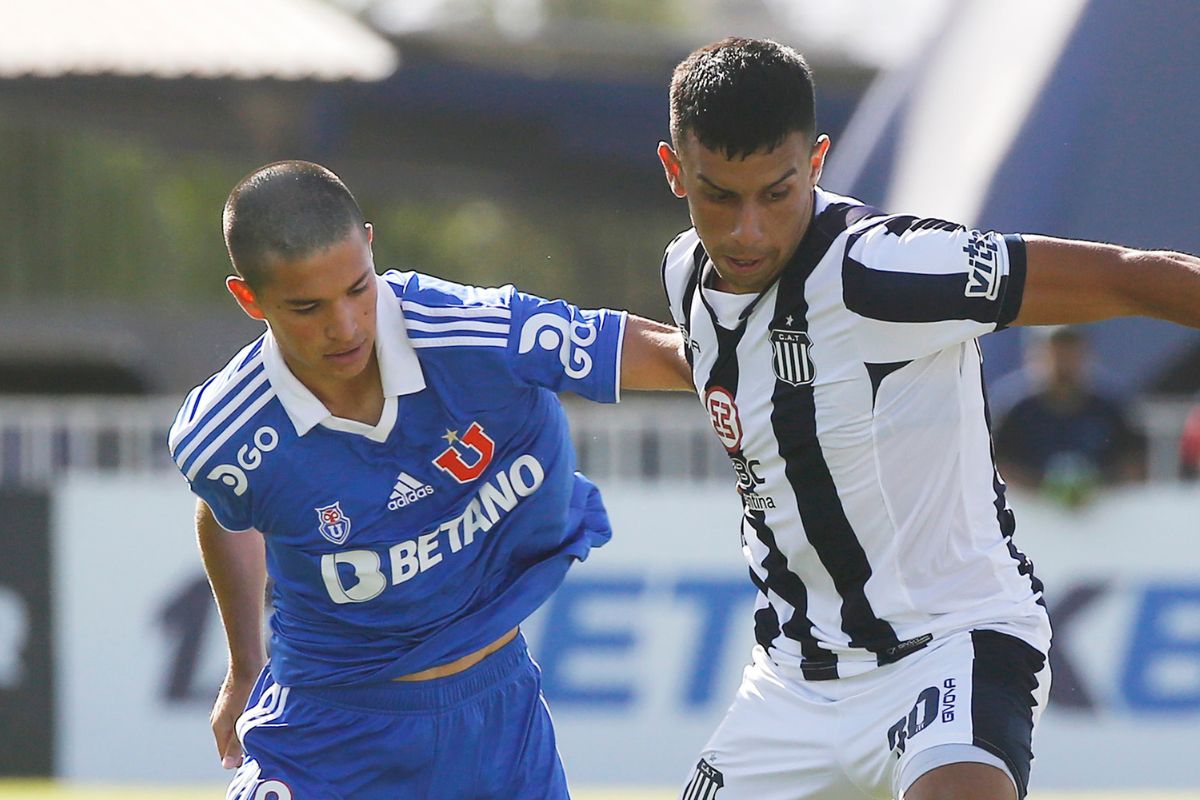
(717, 187)
(308, 301)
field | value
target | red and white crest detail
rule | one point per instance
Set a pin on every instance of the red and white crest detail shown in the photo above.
(333, 523)
(723, 413)
(479, 447)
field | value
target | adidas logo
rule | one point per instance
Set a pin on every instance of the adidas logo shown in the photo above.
(407, 491)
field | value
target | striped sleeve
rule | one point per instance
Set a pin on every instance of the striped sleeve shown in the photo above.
(550, 344)
(204, 429)
(921, 285)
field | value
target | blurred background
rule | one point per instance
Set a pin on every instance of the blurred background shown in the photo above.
(497, 141)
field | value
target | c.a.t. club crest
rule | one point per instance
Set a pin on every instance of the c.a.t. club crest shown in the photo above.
(792, 362)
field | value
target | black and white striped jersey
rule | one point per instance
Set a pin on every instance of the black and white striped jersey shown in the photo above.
(849, 396)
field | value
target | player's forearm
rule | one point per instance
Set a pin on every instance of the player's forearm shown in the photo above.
(1073, 282)
(1164, 285)
(652, 356)
(236, 567)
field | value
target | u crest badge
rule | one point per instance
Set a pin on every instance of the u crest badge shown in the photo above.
(333, 523)
(792, 363)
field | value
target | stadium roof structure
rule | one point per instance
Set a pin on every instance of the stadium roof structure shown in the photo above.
(227, 39)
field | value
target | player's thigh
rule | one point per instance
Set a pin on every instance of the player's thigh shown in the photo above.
(291, 750)
(776, 742)
(505, 743)
(975, 701)
(963, 779)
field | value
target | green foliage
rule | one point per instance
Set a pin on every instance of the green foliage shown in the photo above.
(90, 216)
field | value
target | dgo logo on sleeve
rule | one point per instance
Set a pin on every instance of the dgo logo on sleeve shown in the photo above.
(569, 337)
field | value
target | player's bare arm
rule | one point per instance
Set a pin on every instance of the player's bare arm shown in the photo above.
(236, 568)
(1071, 282)
(652, 356)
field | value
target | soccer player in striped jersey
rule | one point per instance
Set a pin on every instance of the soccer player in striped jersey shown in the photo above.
(391, 451)
(901, 634)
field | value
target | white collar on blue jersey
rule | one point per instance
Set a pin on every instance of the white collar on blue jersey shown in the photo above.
(399, 370)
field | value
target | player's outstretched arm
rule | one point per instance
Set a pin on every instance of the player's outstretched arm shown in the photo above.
(1070, 281)
(236, 568)
(652, 356)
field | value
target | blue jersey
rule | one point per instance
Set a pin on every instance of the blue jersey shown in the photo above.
(413, 542)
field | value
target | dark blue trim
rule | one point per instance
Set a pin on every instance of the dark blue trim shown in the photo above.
(877, 372)
(1003, 680)
(1013, 289)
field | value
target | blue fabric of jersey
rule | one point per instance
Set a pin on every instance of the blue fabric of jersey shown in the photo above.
(483, 733)
(389, 557)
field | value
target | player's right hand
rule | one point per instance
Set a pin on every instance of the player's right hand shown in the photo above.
(231, 700)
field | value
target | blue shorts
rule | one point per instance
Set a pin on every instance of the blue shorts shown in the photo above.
(482, 733)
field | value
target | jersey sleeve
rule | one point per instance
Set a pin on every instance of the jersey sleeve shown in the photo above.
(209, 471)
(921, 285)
(558, 346)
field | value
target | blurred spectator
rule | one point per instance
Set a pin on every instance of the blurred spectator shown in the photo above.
(1063, 437)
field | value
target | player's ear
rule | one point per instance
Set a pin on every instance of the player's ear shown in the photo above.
(672, 169)
(244, 296)
(370, 232)
(820, 149)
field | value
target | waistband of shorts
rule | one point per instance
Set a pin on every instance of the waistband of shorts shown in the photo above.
(402, 696)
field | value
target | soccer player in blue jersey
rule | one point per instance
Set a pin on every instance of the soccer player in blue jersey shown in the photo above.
(392, 453)
(902, 635)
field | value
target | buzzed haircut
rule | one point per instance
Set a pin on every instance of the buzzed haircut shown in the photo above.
(286, 210)
(741, 96)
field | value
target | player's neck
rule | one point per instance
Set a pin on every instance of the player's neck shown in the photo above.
(359, 398)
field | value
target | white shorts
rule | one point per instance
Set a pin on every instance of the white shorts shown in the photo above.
(971, 697)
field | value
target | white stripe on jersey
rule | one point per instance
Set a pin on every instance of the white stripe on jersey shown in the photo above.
(444, 326)
(458, 341)
(229, 407)
(233, 428)
(180, 429)
(456, 311)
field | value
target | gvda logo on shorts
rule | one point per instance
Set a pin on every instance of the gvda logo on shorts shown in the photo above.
(932, 704)
(333, 523)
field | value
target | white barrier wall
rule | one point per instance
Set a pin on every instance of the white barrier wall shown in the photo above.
(643, 646)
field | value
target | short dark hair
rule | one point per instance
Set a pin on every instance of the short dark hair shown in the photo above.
(286, 210)
(740, 96)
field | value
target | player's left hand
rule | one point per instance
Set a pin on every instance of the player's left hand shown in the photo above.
(231, 700)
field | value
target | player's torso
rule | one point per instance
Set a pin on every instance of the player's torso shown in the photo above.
(870, 481)
(402, 526)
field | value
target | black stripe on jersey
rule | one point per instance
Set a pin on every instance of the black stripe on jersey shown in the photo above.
(818, 664)
(891, 296)
(1004, 515)
(794, 421)
(878, 372)
(779, 580)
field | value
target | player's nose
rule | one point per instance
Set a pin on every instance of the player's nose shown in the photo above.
(341, 325)
(747, 226)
